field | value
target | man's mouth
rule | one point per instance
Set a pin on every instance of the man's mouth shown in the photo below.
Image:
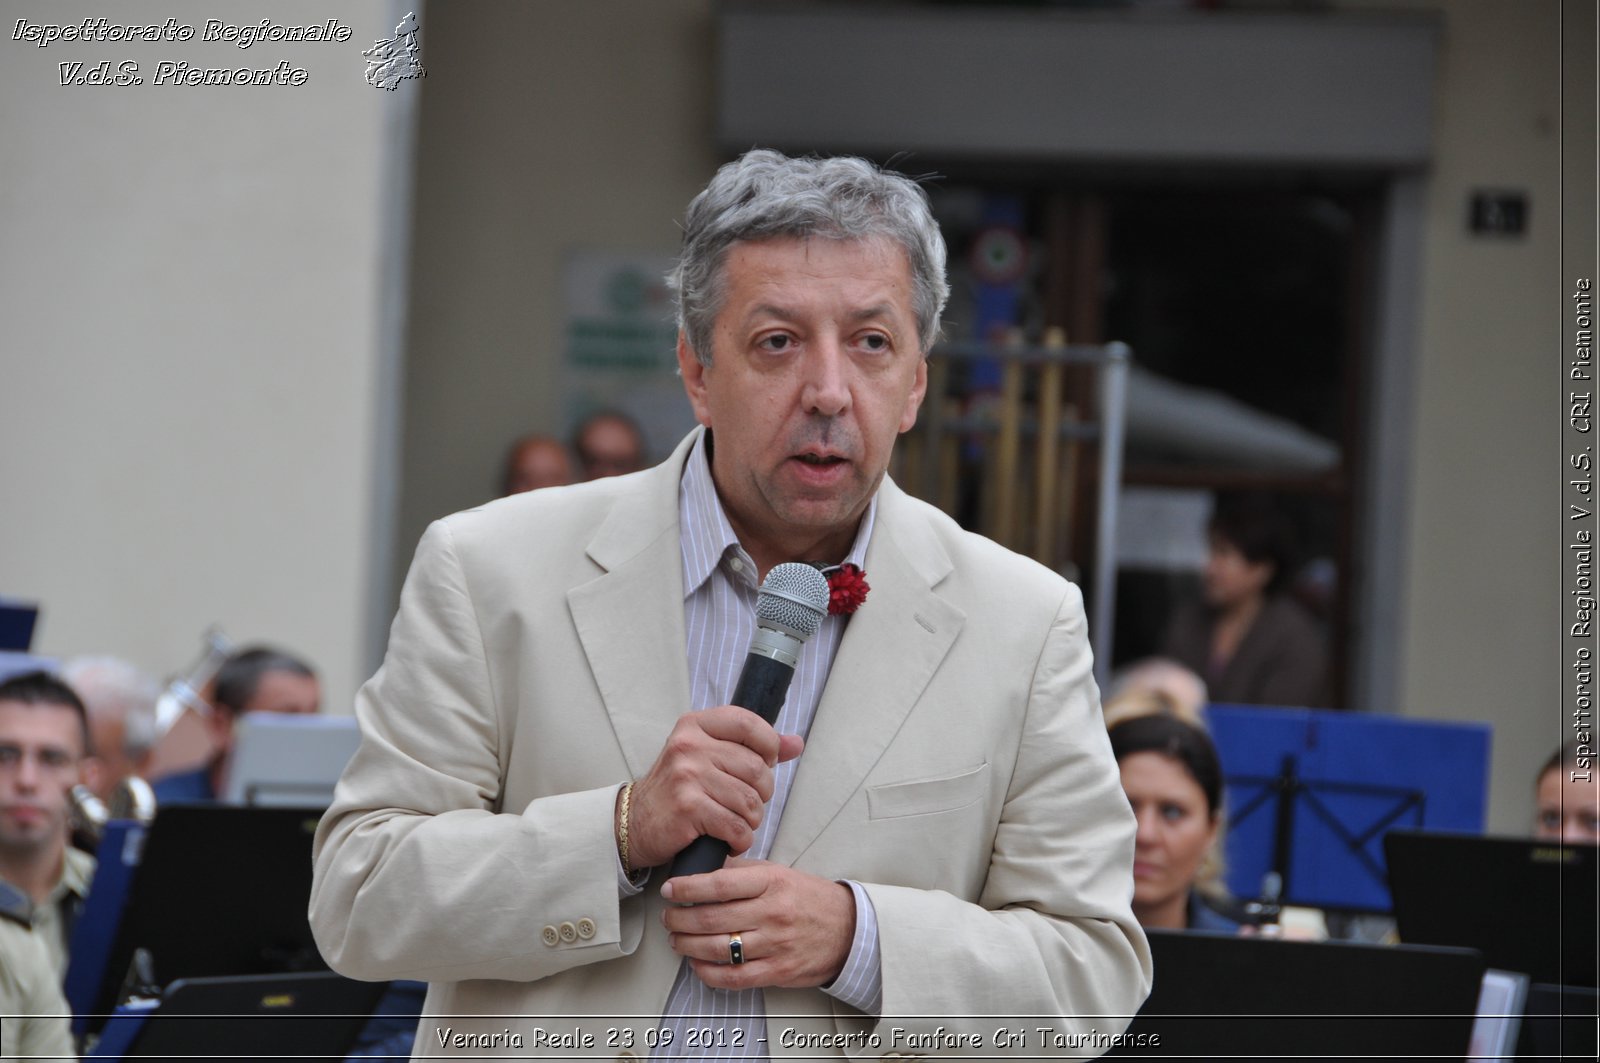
(819, 459)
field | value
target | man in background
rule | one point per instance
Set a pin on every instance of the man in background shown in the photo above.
(535, 461)
(121, 701)
(44, 737)
(257, 679)
(609, 443)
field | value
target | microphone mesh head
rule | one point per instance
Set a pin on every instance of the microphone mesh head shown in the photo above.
(793, 598)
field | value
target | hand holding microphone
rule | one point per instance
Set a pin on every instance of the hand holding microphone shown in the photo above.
(707, 790)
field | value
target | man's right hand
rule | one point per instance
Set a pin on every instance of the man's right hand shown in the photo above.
(713, 776)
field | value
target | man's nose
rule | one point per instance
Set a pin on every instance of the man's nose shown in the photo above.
(826, 388)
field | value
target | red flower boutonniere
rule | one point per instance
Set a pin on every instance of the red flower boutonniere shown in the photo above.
(847, 588)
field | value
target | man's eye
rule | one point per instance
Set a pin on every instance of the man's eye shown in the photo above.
(776, 342)
(1172, 813)
(875, 341)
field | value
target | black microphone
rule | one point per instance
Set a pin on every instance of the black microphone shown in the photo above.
(789, 609)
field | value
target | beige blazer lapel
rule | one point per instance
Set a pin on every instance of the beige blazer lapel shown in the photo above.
(630, 618)
(889, 652)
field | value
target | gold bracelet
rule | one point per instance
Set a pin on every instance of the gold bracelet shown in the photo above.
(622, 829)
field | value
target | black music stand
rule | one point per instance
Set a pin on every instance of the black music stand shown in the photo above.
(1560, 1022)
(1238, 998)
(213, 890)
(1527, 905)
(245, 1018)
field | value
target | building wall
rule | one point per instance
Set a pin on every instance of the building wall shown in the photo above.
(190, 291)
(1481, 639)
(545, 128)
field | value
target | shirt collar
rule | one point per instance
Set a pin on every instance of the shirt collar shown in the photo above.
(77, 870)
(707, 537)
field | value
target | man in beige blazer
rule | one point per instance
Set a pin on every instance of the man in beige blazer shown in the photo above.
(955, 833)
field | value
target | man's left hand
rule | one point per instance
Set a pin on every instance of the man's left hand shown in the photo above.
(795, 927)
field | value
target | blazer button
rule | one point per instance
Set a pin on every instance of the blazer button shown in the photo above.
(550, 936)
(569, 933)
(586, 928)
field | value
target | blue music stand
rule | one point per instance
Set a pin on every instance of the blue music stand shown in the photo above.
(121, 846)
(1310, 794)
(17, 621)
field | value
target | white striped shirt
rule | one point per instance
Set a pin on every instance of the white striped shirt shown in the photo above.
(719, 609)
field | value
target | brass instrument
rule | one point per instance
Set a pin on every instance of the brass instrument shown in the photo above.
(184, 740)
(184, 691)
(132, 798)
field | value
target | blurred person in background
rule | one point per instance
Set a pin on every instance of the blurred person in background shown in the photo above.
(1173, 779)
(1251, 642)
(1568, 796)
(44, 739)
(609, 443)
(1155, 686)
(257, 679)
(121, 702)
(535, 461)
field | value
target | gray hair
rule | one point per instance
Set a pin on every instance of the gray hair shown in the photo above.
(763, 194)
(113, 688)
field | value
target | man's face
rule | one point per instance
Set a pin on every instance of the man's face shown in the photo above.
(286, 692)
(816, 368)
(276, 691)
(41, 747)
(609, 448)
(539, 463)
(1231, 578)
(108, 735)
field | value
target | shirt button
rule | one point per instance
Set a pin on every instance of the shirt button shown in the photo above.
(569, 933)
(735, 564)
(549, 936)
(586, 928)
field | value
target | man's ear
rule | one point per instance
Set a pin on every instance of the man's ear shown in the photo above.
(694, 381)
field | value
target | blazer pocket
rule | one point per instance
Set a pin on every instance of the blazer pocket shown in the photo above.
(924, 796)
